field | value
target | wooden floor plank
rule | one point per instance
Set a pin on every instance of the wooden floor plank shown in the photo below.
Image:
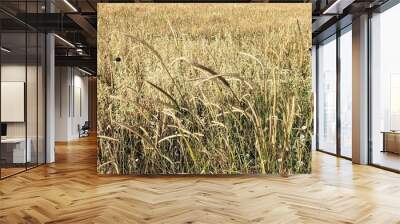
(70, 191)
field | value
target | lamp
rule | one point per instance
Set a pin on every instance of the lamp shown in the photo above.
(64, 40)
(70, 5)
(5, 50)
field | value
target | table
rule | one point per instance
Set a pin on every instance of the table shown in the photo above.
(13, 150)
(391, 141)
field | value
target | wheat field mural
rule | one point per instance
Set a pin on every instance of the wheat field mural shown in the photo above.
(204, 89)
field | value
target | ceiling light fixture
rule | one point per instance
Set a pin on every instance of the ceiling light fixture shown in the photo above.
(64, 40)
(70, 5)
(80, 51)
(5, 50)
(337, 7)
(84, 71)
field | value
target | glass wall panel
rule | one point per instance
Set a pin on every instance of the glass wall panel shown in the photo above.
(385, 89)
(41, 98)
(14, 153)
(41, 79)
(327, 95)
(22, 88)
(346, 92)
(31, 97)
(34, 49)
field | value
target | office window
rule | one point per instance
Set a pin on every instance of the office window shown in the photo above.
(327, 95)
(385, 88)
(14, 153)
(346, 92)
(22, 93)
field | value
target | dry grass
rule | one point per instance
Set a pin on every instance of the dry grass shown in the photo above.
(204, 88)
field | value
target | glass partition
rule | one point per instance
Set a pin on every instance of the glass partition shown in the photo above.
(346, 92)
(327, 95)
(385, 89)
(13, 95)
(32, 98)
(41, 97)
(22, 78)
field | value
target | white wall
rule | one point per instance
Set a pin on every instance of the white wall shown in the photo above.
(16, 73)
(70, 83)
(11, 73)
(80, 84)
(62, 82)
(33, 127)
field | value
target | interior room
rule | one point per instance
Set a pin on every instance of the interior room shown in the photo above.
(51, 164)
(22, 103)
(25, 65)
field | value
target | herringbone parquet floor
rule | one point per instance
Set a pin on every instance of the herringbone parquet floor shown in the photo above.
(70, 191)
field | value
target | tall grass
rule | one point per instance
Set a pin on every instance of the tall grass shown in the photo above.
(204, 89)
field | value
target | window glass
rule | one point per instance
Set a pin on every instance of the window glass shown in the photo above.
(385, 89)
(22, 90)
(327, 95)
(346, 92)
(15, 150)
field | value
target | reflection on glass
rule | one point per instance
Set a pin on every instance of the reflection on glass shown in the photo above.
(327, 95)
(386, 89)
(346, 92)
(22, 91)
(14, 153)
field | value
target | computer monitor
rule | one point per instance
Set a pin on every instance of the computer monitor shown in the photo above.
(3, 129)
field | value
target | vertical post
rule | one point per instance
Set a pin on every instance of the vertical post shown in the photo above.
(338, 77)
(369, 53)
(360, 89)
(317, 98)
(0, 95)
(26, 88)
(37, 90)
(315, 93)
(50, 92)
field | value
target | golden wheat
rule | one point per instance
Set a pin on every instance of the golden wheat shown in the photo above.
(204, 89)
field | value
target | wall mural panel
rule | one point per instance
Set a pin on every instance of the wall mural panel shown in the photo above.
(204, 89)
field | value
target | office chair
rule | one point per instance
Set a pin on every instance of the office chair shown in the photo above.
(84, 130)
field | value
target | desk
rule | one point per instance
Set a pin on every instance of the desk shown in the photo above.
(391, 141)
(13, 150)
